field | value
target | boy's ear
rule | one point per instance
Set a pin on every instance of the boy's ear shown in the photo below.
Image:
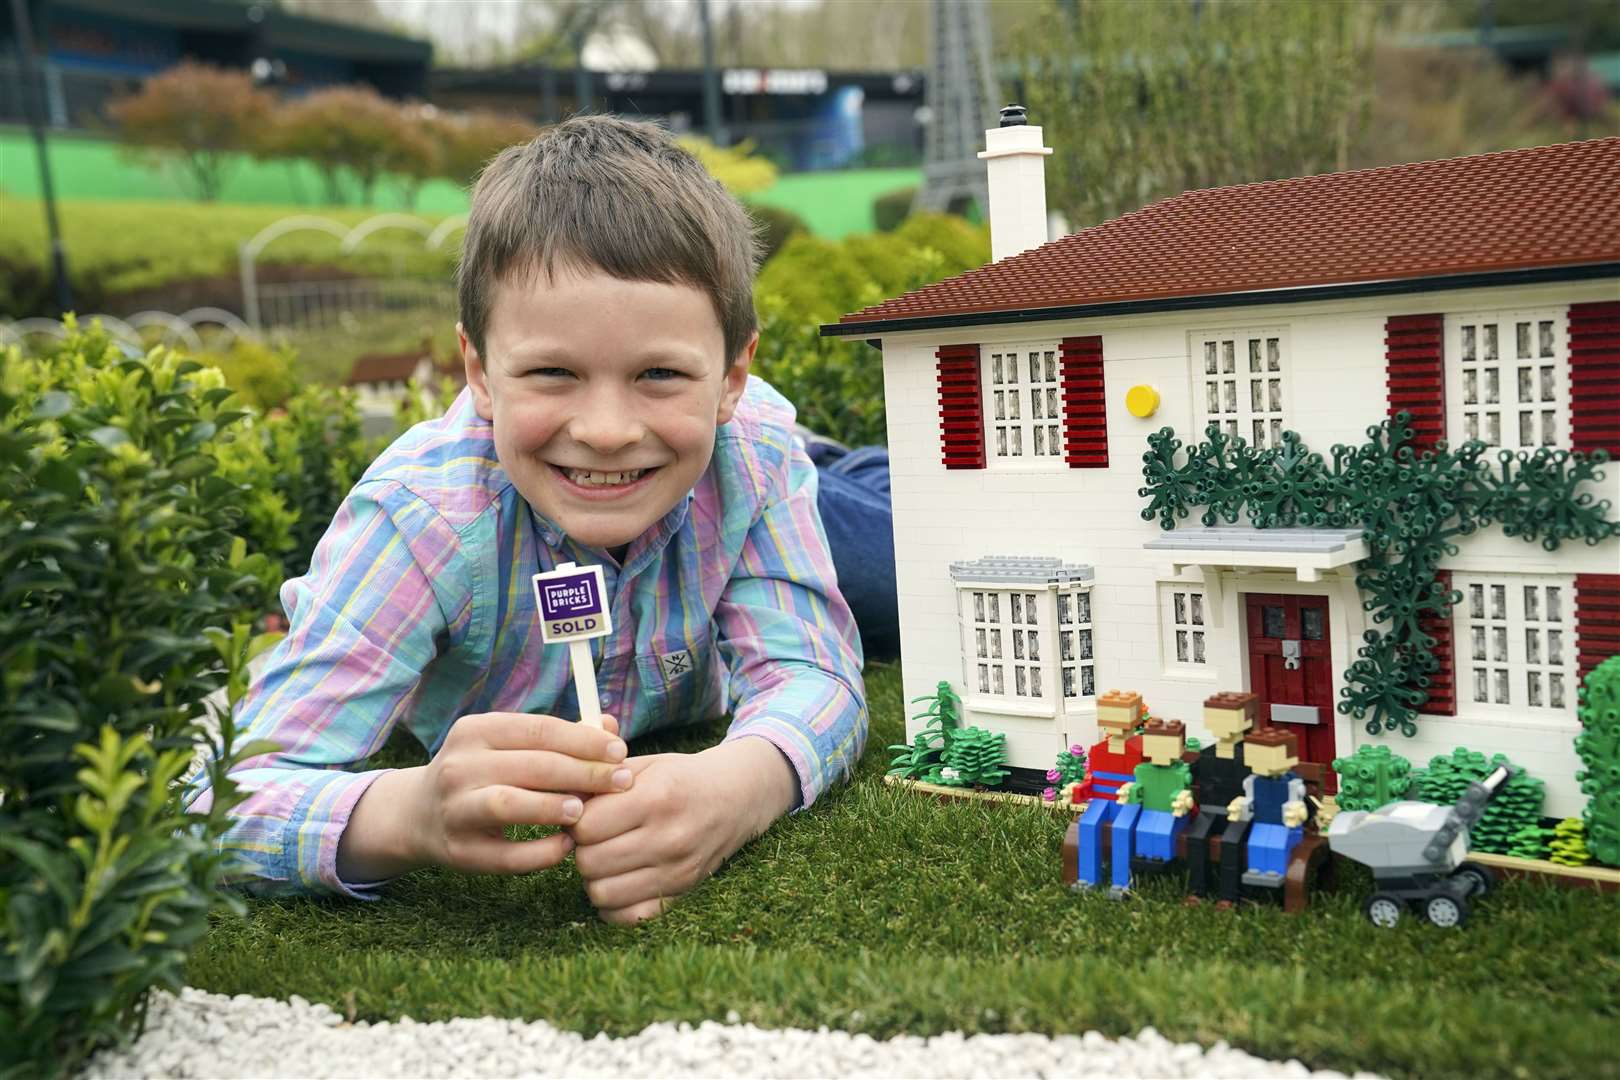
(736, 381)
(473, 364)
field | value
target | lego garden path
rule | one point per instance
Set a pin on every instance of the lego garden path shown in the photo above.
(199, 1034)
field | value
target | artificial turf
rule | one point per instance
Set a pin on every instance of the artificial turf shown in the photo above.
(884, 912)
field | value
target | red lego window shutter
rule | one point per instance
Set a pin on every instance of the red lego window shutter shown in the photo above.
(1597, 620)
(1443, 683)
(961, 407)
(1415, 373)
(1594, 377)
(1085, 406)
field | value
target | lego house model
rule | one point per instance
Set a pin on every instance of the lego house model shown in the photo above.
(1332, 440)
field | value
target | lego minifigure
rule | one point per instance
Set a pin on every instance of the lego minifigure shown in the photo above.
(1273, 800)
(1110, 764)
(1155, 804)
(1219, 774)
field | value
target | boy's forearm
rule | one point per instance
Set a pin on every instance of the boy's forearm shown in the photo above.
(378, 841)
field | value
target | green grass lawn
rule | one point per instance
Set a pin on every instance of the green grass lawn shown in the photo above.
(883, 912)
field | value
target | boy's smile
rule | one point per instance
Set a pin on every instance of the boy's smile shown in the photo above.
(604, 396)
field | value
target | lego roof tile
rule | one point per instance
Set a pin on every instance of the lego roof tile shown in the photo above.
(1021, 570)
(1546, 206)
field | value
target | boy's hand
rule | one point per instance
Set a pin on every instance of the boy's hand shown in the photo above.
(642, 848)
(500, 769)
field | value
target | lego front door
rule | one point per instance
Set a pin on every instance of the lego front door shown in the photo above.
(1290, 668)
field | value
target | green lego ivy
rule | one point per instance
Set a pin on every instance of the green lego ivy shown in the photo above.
(1412, 508)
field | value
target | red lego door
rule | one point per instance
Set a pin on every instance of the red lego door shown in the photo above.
(1290, 668)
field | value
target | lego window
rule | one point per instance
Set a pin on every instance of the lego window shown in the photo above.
(1183, 614)
(1023, 405)
(1240, 383)
(1515, 644)
(1030, 647)
(1075, 658)
(1507, 379)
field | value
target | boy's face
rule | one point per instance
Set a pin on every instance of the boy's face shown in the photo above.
(604, 396)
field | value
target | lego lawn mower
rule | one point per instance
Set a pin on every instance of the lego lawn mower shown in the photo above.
(1418, 854)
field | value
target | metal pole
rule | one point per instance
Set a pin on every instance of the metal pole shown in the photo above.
(711, 80)
(31, 82)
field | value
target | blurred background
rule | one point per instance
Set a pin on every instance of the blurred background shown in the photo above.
(281, 184)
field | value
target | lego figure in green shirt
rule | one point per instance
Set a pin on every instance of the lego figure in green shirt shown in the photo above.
(1155, 804)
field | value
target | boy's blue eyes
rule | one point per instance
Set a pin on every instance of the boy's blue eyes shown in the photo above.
(657, 374)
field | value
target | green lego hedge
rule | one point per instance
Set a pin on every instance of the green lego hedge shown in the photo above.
(1598, 746)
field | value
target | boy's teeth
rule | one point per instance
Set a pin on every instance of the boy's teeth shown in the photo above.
(603, 479)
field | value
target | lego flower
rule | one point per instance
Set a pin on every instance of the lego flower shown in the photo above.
(1050, 794)
(1053, 775)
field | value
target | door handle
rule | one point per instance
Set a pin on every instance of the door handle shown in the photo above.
(1290, 654)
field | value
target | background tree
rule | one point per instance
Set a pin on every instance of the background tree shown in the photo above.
(349, 128)
(468, 140)
(199, 116)
(417, 153)
(1149, 100)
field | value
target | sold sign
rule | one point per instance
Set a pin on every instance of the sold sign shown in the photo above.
(573, 609)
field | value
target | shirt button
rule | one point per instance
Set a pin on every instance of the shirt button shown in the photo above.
(550, 539)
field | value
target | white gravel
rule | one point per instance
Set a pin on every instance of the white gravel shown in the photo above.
(199, 1034)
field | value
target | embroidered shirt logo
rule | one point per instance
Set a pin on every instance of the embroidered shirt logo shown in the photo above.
(675, 664)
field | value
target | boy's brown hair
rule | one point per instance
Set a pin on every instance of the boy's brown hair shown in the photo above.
(600, 192)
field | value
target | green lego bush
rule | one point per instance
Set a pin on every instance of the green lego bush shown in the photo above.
(920, 759)
(974, 758)
(775, 225)
(1516, 804)
(1568, 847)
(1598, 747)
(1531, 842)
(1373, 776)
(129, 590)
(1070, 768)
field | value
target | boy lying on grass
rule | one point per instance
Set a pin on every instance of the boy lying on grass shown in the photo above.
(607, 326)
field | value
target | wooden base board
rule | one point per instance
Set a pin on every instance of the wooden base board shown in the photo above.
(1601, 878)
(940, 791)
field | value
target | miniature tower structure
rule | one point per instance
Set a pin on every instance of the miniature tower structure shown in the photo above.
(961, 96)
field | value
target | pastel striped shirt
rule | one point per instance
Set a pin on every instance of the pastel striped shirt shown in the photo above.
(418, 609)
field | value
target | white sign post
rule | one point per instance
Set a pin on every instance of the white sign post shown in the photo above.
(573, 608)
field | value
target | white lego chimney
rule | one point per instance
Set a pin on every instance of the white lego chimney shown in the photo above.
(1015, 159)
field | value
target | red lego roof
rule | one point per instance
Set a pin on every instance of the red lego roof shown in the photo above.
(1548, 206)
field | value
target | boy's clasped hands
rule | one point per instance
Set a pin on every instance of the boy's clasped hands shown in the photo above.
(643, 830)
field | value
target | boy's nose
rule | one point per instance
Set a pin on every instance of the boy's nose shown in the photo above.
(606, 424)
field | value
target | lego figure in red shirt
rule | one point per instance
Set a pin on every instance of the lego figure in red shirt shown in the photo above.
(1110, 765)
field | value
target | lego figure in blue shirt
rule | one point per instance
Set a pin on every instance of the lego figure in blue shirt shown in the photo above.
(1273, 800)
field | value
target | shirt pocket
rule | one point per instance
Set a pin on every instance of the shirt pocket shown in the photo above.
(678, 681)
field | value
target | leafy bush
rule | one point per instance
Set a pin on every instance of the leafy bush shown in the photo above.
(1568, 846)
(1372, 777)
(974, 758)
(1515, 805)
(775, 224)
(822, 280)
(891, 208)
(919, 760)
(1069, 769)
(261, 374)
(835, 384)
(123, 566)
(1598, 746)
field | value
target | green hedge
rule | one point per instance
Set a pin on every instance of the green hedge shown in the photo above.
(127, 597)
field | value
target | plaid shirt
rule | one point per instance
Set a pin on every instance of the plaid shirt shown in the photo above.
(418, 609)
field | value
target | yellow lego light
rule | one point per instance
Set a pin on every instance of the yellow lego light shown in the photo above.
(1142, 401)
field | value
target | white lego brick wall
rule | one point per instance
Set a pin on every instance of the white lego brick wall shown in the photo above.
(1335, 390)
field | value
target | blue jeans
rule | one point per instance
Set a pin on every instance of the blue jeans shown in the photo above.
(855, 512)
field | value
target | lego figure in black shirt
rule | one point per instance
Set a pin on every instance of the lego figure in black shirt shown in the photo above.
(1218, 775)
